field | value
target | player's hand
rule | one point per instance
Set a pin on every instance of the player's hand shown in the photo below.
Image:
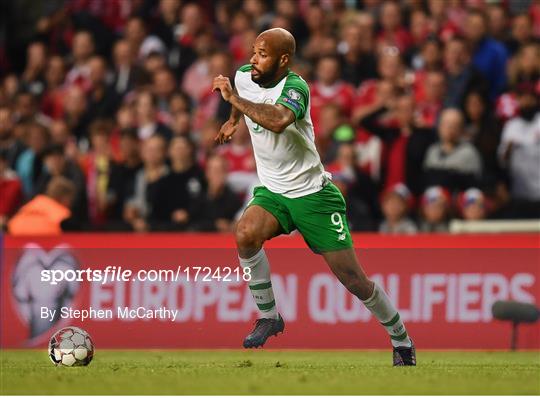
(223, 84)
(226, 131)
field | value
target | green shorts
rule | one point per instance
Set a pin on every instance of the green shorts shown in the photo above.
(320, 217)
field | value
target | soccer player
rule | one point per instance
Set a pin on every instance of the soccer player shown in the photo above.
(297, 193)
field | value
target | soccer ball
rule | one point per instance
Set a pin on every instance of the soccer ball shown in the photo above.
(71, 346)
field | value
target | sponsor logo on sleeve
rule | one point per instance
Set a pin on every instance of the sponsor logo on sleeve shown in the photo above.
(294, 104)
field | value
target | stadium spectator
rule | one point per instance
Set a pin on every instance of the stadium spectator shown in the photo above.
(10, 190)
(525, 66)
(429, 104)
(521, 32)
(179, 102)
(520, 154)
(102, 98)
(461, 75)
(180, 190)
(395, 206)
(241, 35)
(434, 210)
(329, 88)
(420, 30)
(53, 96)
(358, 62)
(472, 204)
(9, 143)
(61, 135)
(452, 163)
(138, 208)
(392, 33)
(96, 165)
(483, 131)
(197, 78)
(319, 31)
(407, 141)
(164, 84)
(207, 141)
(33, 79)
(121, 184)
(57, 165)
(46, 214)
(10, 87)
(343, 168)
(498, 23)
(259, 13)
(210, 105)
(334, 129)
(489, 56)
(82, 49)
(126, 71)
(165, 23)
(358, 189)
(135, 34)
(429, 57)
(147, 117)
(29, 164)
(445, 22)
(373, 92)
(26, 109)
(75, 105)
(219, 204)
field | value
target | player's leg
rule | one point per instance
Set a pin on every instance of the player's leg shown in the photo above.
(255, 227)
(321, 219)
(344, 264)
(262, 220)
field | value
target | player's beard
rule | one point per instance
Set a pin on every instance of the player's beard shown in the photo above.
(264, 78)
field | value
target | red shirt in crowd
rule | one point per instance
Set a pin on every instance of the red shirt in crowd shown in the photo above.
(239, 158)
(340, 93)
(400, 38)
(10, 192)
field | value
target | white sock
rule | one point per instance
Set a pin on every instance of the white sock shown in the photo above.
(382, 308)
(260, 284)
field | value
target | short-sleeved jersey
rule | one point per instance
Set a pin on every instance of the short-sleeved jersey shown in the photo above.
(287, 163)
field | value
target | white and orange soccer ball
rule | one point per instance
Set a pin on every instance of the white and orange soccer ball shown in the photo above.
(71, 346)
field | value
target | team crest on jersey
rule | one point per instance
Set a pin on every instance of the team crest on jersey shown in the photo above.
(293, 94)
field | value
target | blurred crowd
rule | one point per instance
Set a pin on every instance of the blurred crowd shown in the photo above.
(424, 110)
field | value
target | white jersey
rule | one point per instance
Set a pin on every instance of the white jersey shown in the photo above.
(287, 163)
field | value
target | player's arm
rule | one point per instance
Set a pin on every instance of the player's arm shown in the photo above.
(271, 117)
(228, 128)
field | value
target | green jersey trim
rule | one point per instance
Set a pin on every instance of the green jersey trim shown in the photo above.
(245, 68)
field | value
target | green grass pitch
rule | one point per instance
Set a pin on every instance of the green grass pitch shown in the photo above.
(271, 372)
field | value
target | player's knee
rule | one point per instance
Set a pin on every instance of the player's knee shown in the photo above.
(247, 236)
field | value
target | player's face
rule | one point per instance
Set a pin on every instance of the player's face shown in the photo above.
(264, 63)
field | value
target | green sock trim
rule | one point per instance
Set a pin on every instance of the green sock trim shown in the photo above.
(261, 286)
(401, 337)
(266, 306)
(392, 321)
